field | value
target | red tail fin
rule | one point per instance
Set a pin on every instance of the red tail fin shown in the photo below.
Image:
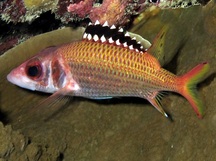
(189, 82)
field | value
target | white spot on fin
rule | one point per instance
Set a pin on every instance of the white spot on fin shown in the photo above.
(131, 47)
(121, 30)
(106, 24)
(97, 22)
(95, 37)
(125, 44)
(89, 36)
(113, 27)
(127, 34)
(118, 42)
(110, 40)
(84, 35)
(103, 39)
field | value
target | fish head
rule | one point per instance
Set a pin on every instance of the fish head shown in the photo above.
(36, 73)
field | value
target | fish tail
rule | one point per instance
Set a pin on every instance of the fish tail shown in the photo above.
(188, 88)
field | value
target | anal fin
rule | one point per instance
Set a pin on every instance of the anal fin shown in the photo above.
(154, 99)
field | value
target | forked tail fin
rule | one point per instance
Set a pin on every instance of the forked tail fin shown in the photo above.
(188, 88)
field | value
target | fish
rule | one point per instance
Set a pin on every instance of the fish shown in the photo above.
(106, 63)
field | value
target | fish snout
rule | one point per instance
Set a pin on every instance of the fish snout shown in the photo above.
(18, 78)
(12, 77)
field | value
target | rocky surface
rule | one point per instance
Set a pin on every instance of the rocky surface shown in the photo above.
(122, 128)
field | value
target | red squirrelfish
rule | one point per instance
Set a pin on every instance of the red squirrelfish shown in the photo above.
(106, 63)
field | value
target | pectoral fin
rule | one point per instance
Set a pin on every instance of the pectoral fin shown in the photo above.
(52, 105)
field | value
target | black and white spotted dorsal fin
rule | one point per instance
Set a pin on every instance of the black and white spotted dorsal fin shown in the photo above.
(112, 35)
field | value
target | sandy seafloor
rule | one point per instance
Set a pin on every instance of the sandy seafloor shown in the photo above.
(121, 129)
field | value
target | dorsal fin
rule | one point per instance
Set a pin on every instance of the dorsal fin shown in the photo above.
(112, 35)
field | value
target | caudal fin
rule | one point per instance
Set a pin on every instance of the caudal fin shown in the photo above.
(188, 88)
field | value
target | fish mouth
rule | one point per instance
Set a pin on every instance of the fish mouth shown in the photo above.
(11, 79)
(20, 81)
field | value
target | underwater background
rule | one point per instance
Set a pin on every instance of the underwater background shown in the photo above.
(120, 129)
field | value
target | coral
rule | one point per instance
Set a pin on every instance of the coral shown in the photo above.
(12, 10)
(166, 4)
(82, 8)
(115, 11)
(7, 44)
(24, 10)
(112, 11)
(39, 4)
(120, 11)
(177, 3)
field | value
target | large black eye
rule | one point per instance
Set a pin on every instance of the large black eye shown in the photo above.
(34, 69)
(154, 1)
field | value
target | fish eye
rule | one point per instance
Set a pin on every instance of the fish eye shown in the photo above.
(34, 70)
(154, 1)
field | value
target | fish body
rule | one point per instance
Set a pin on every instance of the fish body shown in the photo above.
(114, 71)
(103, 66)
